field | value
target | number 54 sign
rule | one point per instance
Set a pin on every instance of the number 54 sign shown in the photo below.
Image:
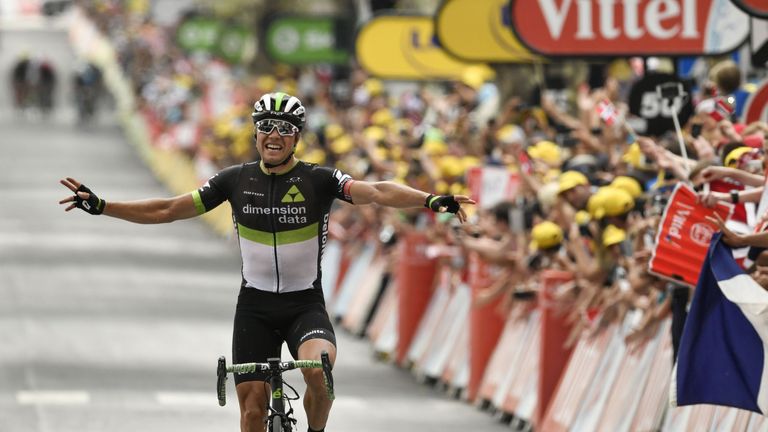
(656, 113)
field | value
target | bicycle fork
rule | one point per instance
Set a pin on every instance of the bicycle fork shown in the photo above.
(277, 419)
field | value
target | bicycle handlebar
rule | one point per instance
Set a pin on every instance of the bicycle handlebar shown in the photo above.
(273, 366)
(244, 368)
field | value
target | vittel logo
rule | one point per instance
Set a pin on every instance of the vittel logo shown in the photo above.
(661, 19)
(629, 27)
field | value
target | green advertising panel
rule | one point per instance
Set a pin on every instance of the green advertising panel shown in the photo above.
(198, 34)
(306, 39)
(236, 44)
(233, 44)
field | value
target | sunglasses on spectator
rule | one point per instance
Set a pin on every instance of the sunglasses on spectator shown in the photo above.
(284, 128)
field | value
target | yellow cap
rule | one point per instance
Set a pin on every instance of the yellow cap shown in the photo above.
(733, 156)
(633, 156)
(569, 180)
(382, 117)
(457, 189)
(266, 83)
(582, 217)
(333, 131)
(316, 156)
(470, 162)
(441, 187)
(628, 184)
(400, 125)
(547, 151)
(450, 166)
(546, 235)
(610, 201)
(342, 144)
(373, 86)
(508, 134)
(613, 235)
(434, 148)
(595, 204)
(374, 133)
(475, 76)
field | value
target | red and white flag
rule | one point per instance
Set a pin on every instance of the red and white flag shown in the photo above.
(607, 112)
(723, 109)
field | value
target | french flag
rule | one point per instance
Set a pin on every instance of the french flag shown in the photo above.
(722, 355)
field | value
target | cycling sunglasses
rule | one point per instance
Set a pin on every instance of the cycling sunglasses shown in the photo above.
(284, 128)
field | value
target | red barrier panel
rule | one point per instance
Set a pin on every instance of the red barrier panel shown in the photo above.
(362, 300)
(503, 356)
(415, 280)
(575, 383)
(655, 397)
(554, 355)
(346, 261)
(485, 324)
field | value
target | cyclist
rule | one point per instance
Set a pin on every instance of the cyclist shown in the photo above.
(280, 208)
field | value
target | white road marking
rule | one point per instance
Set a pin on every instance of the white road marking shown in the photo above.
(53, 397)
(187, 398)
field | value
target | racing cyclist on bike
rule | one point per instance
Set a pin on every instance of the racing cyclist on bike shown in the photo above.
(280, 207)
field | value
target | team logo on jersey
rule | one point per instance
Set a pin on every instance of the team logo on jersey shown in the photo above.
(293, 195)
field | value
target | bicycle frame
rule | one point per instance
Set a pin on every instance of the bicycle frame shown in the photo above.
(277, 420)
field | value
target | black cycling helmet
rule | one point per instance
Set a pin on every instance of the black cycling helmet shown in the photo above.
(279, 105)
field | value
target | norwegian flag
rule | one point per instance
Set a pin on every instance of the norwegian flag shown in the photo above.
(607, 112)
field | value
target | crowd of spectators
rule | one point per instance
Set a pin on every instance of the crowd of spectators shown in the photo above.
(590, 194)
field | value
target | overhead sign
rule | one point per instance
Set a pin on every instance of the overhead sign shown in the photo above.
(405, 47)
(756, 108)
(475, 30)
(758, 42)
(629, 28)
(757, 8)
(307, 39)
(657, 111)
(234, 44)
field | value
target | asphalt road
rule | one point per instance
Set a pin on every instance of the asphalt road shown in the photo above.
(112, 326)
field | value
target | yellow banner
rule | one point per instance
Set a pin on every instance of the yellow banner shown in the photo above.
(479, 30)
(405, 47)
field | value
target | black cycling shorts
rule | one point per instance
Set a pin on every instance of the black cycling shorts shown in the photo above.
(264, 320)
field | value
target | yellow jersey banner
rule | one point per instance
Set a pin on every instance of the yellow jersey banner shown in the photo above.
(405, 47)
(480, 30)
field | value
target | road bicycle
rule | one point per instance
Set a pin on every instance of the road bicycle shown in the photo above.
(278, 419)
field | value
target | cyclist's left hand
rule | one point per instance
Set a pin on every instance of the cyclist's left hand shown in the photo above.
(450, 204)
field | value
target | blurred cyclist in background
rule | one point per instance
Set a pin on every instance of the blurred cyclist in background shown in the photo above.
(281, 211)
(87, 85)
(34, 82)
(20, 84)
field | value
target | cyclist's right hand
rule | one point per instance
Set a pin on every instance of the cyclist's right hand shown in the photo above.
(83, 198)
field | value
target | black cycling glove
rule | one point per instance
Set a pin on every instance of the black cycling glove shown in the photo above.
(92, 205)
(434, 202)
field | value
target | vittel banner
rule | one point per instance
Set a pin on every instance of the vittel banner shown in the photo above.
(596, 28)
(758, 8)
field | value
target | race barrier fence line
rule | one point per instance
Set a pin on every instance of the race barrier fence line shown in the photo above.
(529, 375)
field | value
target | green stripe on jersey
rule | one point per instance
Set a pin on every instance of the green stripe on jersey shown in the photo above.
(198, 202)
(283, 237)
(279, 100)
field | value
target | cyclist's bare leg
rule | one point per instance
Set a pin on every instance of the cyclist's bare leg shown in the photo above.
(316, 402)
(252, 396)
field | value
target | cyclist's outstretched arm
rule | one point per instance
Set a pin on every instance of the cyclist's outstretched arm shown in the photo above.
(148, 211)
(393, 194)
